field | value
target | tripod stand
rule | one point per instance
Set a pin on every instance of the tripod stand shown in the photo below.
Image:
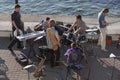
(113, 67)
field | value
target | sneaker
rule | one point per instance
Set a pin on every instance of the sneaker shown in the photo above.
(105, 50)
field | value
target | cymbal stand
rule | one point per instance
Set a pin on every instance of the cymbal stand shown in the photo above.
(91, 40)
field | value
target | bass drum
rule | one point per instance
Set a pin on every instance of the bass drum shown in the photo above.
(65, 40)
(71, 37)
(81, 38)
(92, 36)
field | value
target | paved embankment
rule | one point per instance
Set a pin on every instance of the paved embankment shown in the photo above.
(32, 19)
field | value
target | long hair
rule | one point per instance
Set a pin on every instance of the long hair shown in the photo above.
(105, 10)
(52, 23)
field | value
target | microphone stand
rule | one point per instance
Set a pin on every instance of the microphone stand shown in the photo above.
(113, 67)
(27, 68)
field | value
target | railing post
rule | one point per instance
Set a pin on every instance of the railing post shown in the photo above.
(16, 1)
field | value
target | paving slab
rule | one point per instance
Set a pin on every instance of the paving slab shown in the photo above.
(100, 66)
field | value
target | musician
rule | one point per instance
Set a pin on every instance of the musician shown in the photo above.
(102, 26)
(78, 27)
(73, 50)
(53, 43)
(43, 25)
(17, 25)
(46, 23)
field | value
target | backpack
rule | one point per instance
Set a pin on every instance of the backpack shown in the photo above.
(59, 29)
(74, 57)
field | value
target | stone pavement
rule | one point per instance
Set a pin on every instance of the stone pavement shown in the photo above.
(100, 66)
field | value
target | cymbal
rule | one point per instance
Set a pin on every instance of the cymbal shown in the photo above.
(28, 66)
(91, 30)
(64, 26)
(38, 38)
(92, 33)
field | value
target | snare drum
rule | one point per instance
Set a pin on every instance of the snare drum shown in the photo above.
(92, 35)
(81, 38)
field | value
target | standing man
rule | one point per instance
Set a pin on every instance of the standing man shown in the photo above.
(16, 25)
(102, 26)
(53, 43)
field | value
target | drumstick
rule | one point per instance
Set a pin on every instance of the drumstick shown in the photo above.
(63, 26)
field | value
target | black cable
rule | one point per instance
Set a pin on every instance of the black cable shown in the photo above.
(113, 69)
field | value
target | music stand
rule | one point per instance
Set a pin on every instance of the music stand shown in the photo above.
(27, 68)
(113, 67)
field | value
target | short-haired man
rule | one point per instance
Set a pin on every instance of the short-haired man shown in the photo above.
(16, 25)
(102, 26)
(78, 27)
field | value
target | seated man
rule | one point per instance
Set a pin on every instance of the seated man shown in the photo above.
(78, 27)
(43, 25)
(74, 55)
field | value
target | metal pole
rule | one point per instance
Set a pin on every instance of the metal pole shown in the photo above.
(16, 1)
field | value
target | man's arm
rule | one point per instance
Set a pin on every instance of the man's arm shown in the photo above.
(102, 19)
(104, 23)
(14, 24)
(67, 52)
(72, 27)
(57, 36)
(13, 16)
(81, 28)
(77, 31)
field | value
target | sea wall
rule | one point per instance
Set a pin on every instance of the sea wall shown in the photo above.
(30, 20)
(66, 19)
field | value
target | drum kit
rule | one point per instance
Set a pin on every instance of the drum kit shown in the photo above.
(92, 34)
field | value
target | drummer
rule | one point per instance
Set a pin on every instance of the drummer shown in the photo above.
(79, 26)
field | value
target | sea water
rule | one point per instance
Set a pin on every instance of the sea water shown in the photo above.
(62, 7)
